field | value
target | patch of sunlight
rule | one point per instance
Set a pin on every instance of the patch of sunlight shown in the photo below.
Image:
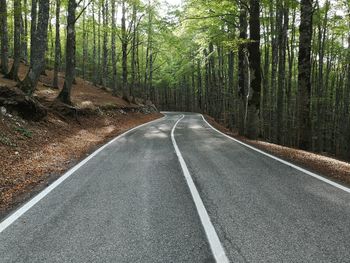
(195, 126)
(156, 134)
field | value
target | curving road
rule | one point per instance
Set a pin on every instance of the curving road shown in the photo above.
(175, 190)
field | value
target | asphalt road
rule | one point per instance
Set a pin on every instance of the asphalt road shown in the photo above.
(131, 203)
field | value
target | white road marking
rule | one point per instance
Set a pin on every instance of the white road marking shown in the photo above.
(18, 213)
(319, 177)
(213, 239)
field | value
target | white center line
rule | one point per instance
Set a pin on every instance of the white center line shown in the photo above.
(213, 239)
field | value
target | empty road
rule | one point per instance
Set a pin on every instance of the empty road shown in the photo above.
(176, 190)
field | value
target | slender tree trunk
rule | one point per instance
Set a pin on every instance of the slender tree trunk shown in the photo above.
(57, 46)
(304, 81)
(105, 50)
(283, 14)
(133, 51)
(113, 46)
(124, 40)
(33, 25)
(99, 77)
(4, 37)
(94, 67)
(243, 25)
(24, 32)
(64, 95)
(17, 10)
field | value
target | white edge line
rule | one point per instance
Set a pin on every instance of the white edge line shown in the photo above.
(20, 211)
(319, 177)
(213, 239)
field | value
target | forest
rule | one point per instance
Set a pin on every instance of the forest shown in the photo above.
(277, 70)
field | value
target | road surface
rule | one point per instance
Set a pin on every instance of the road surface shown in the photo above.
(132, 202)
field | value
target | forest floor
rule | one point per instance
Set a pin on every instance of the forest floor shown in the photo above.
(326, 166)
(33, 154)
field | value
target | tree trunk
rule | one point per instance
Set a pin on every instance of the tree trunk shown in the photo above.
(33, 25)
(94, 53)
(253, 113)
(24, 33)
(105, 50)
(133, 51)
(304, 82)
(124, 40)
(4, 37)
(282, 22)
(242, 67)
(64, 95)
(17, 10)
(57, 45)
(114, 60)
(38, 48)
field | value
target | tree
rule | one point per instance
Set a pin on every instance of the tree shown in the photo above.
(304, 75)
(254, 68)
(13, 74)
(38, 47)
(113, 51)
(64, 95)
(4, 37)
(57, 45)
(124, 42)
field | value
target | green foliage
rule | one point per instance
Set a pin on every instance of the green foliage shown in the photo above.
(24, 132)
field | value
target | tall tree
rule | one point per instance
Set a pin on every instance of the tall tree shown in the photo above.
(4, 37)
(105, 35)
(255, 72)
(124, 42)
(243, 25)
(17, 11)
(304, 75)
(64, 95)
(38, 48)
(57, 45)
(113, 47)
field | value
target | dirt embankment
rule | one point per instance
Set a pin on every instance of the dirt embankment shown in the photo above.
(34, 153)
(326, 166)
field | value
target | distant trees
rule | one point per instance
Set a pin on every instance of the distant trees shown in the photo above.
(303, 99)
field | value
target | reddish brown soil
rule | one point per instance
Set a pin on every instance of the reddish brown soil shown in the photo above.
(34, 153)
(329, 167)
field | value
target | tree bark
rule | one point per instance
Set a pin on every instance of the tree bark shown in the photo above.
(113, 46)
(38, 49)
(57, 45)
(255, 72)
(124, 40)
(243, 25)
(17, 10)
(304, 75)
(64, 95)
(4, 37)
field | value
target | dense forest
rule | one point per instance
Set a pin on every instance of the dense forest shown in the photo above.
(278, 70)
